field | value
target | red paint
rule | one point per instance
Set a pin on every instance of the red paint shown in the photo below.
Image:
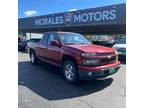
(55, 54)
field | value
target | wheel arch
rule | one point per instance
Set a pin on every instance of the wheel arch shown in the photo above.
(68, 57)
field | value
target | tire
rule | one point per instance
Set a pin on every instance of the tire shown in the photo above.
(69, 70)
(33, 58)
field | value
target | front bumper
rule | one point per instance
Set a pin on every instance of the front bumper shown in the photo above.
(99, 71)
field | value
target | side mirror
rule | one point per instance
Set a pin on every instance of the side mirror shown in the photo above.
(54, 43)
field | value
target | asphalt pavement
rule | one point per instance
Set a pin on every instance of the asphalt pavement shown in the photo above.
(42, 86)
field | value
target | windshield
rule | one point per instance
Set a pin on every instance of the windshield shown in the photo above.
(121, 41)
(68, 38)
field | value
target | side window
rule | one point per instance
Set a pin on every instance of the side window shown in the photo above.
(52, 37)
(44, 40)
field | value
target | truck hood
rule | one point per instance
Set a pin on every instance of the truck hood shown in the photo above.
(92, 48)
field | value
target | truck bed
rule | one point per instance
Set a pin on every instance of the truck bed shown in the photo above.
(32, 45)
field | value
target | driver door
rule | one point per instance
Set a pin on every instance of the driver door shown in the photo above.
(53, 52)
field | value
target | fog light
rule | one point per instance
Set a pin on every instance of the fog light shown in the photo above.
(90, 73)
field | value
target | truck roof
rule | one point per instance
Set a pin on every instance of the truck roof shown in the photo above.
(61, 32)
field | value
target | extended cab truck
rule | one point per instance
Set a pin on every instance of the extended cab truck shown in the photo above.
(77, 57)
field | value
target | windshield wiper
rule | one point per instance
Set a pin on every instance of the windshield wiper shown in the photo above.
(82, 43)
(74, 43)
(70, 43)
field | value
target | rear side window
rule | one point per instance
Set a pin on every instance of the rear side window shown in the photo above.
(44, 40)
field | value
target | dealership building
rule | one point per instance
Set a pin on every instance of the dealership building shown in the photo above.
(110, 20)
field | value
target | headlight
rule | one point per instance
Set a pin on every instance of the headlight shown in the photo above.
(91, 62)
(88, 54)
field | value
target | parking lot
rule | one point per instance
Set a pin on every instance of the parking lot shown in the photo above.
(42, 86)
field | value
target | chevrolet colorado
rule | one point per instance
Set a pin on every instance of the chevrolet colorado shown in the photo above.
(75, 55)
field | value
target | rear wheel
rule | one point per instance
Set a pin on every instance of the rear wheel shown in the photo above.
(70, 71)
(33, 58)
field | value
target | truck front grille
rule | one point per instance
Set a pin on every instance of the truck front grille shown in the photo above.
(108, 60)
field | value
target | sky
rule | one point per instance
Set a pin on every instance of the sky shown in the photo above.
(28, 8)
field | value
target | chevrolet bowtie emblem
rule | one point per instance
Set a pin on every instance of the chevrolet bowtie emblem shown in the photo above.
(109, 56)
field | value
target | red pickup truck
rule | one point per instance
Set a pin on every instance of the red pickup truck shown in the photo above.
(75, 55)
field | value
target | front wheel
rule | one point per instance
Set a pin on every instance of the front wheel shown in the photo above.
(70, 71)
(33, 58)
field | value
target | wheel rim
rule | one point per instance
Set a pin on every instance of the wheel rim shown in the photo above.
(32, 58)
(69, 71)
